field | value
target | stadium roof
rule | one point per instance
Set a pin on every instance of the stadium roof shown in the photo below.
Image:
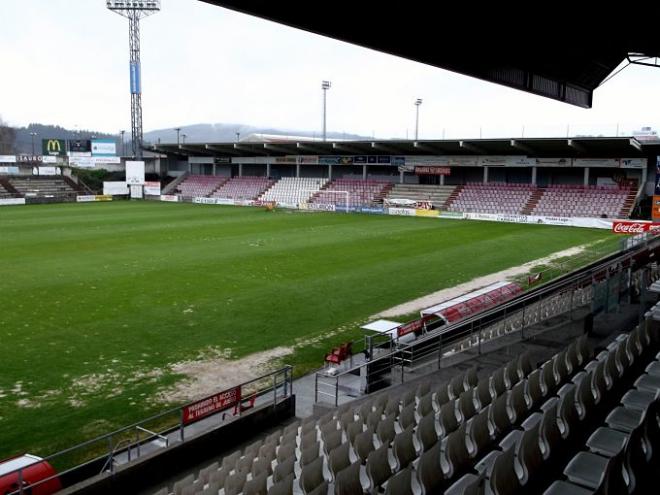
(621, 147)
(560, 51)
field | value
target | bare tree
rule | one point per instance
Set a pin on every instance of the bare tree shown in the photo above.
(7, 138)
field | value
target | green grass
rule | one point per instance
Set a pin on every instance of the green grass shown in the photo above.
(122, 288)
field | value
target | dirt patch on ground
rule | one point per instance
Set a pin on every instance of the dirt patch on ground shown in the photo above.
(207, 376)
(474, 284)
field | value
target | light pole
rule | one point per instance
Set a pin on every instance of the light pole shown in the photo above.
(178, 129)
(123, 145)
(238, 137)
(33, 134)
(184, 138)
(325, 86)
(418, 102)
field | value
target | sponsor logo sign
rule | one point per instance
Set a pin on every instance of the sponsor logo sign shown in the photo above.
(7, 158)
(308, 160)
(80, 145)
(204, 201)
(47, 171)
(135, 173)
(373, 210)
(360, 159)
(406, 212)
(103, 197)
(170, 198)
(112, 188)
(329, 160)
(104, 147)
(9, 170)
(222, 160)
(630, 227)
(413, 326)
(152, 188)
(54, 147)
(321, 207)
(12, 201)
(432, 171)
(459, 215)
(86, 199)
(426, 213)
(633, 162)
(211, 405)
(282, 204)
(398, 160)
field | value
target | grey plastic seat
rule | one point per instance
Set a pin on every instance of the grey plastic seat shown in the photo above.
(400, 483)
(534, 389)
(550, 435)
(332, 440)
(385, 431)
(262, 465)
(229, 462)
(274, 437)
(647, 382)
(407, 416)
(219, 477)
(584, 398)
(622, 357)
(353, 430)
(256, 486)
(596, 472)
(292, 428)
(283, 469)
(529, 454)
(456, 386)
(560, 367)
(624, 419)
(403, 449)
(308, 440)
(190, 489)
(572, 357)
(392, 406)
(511, 375)
(425, 405)
(525, 366)
(446, 419)
(567, 416)
(499, 416)
(373, 419)
(408, 398)
(339, 459)
(179, 485)
(455, 456)
(322, 489)
(653, 368)
(585, 352)
(426, 433)
(347, 481)
(205, 473)
(468, 484)
(565, 488)
(478, 436)
(519, 402)
(503, 477)
(548, 378)
(311, 475)
(288, 438)
(600, 382)
(162, 491)
(639, 399)
(607, 442)
(235, 482)
(286, 451)
(364, 444)
(378, 468)
(267, 451)
(253, 448)
(211, 489)
(429, 472)
(466, 404)
(470, 379)
(309, 455)
(497, 383)
(282, 487)
(423, 388)
(482, 394)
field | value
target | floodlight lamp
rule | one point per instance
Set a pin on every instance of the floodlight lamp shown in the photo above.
(325, 85)
(418, 101)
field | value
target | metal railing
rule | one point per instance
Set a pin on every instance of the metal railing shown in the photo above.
(476, 334)
(127, 444)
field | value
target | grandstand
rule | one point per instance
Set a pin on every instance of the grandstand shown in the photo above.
(293, 190)
(438, 195)
(199, 185)
(589, 201)
(360, 192)
(492, 198)
(243, 188)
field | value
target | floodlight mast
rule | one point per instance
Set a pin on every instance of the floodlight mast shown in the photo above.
(134, 10)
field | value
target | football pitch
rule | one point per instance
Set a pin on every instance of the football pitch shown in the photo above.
(95, 297)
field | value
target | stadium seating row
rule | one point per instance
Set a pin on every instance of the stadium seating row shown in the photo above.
(293, 190)
(573, 424)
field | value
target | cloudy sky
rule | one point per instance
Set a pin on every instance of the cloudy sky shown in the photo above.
(65, 62)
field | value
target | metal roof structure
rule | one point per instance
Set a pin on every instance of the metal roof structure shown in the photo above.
(593, 147)
(558, 51)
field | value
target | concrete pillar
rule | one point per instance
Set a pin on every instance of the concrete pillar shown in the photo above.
(214, 168)
(268, 170)
(485, 175)
(586, 176)
(533, 176)
(442, 180)
(297, 169)
(330, 172)
(189, 167)
(401, 176)
(240, 170)
(364, 172)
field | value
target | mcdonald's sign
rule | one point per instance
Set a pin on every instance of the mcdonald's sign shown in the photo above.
(55, 147)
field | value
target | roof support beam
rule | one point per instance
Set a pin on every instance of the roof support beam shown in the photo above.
(246, 150)
(227, 150)
(522, 147)
(340, 147)
(576, 146)
(386, 148)
(311, 148)
(427, 148)
(472, 148)
(635, 144)
(277, 149)
(192, 150)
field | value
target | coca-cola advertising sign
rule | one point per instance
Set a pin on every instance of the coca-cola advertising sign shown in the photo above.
(631, 227)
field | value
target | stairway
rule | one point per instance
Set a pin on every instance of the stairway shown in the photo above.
(452, 197)
(532, 202)
(421, 192)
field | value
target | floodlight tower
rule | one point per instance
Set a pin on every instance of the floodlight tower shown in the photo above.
(134, 10)
(418, 102)
(325, 86)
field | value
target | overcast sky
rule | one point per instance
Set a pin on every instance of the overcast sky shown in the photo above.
(65, 62)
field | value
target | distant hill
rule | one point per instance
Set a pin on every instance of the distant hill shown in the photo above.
(196, 133)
